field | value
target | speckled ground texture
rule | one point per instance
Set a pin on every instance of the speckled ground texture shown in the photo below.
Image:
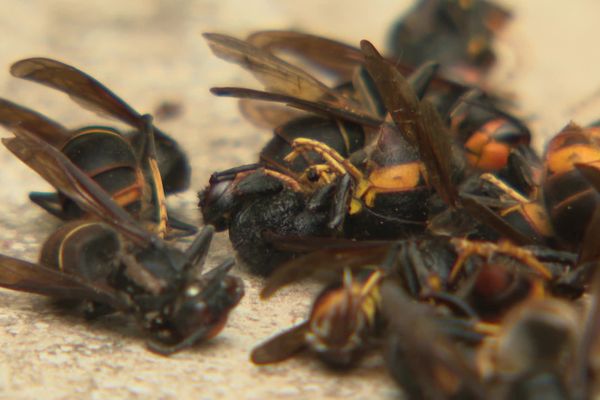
(149, 51)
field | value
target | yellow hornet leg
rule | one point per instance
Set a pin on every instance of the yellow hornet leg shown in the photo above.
(161, 228)
(331, 157)
(467, 248)
(505, 188)
(292, 183)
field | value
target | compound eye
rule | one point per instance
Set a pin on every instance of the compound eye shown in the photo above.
(214, 192)
(312, 175)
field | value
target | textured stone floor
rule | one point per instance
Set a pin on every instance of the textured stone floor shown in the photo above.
(150, 51)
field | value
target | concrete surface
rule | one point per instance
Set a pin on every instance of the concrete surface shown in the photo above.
(149, 51)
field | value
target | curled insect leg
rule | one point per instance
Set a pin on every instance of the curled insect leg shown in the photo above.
(332, 158)
(466, 249)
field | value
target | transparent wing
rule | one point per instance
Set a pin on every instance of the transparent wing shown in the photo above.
(330, 55)
(67, 178)
(278, 76)
(81, 87)
(281, 346)
(13, 115)
(23, 276)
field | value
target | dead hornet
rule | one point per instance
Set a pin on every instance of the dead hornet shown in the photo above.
(533, 351)
(458, 34)
(343, 320)
(421, 354)
(467, 203)
(541, 349)
(563, 199)
(386, 192)
(280, 193)
(346, 320)
(544, 347)
(112, 263)
(250, 199)
(472, 278)
(380, 189)
(490, 136)
(487, 133)
(117, 162)
(568, 187)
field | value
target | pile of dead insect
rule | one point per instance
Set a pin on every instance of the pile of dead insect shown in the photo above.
(444, 240)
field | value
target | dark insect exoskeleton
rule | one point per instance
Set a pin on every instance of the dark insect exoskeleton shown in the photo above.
(570, 198)
(521, 218)
(254, 199)
(544, 349)
(472, 278)
(114, 264)
(346, 317)
(343, 320)
(464, 288)
(271, 195)
(387, 191)
(381, 191)
(132, 180)
(87, 91)
(540, 349)
(457, 34)
(385, 196)
(506, 200)
(488, 206)
(420, 353)
(492, 140)
(442, 160)
(489, 135)
(531, 215)
(345, 116)
(503, 275)
(344, 137)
